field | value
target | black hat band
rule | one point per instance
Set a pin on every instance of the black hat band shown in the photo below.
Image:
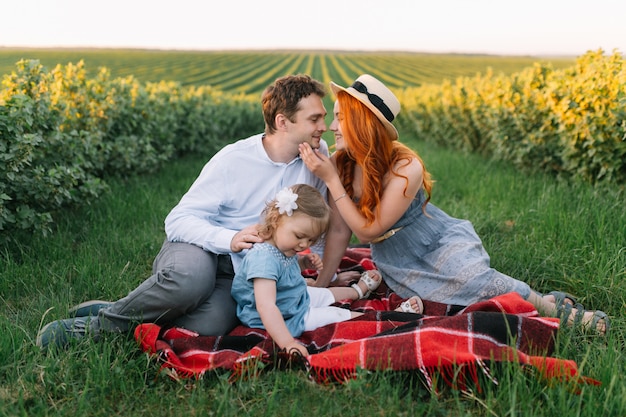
(375, 100)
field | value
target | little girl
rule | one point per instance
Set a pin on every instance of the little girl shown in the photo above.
(269, 288)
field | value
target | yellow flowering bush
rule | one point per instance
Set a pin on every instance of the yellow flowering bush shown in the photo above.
(570, 122)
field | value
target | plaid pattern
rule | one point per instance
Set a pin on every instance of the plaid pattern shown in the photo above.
(454, 342)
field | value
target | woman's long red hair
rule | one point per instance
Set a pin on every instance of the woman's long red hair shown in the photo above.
(369, 145)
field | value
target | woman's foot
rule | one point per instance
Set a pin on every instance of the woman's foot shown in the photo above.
(411, 305)
(570, 312)
(560, 298)
(600, 322)
(369, 281)
(597, 321)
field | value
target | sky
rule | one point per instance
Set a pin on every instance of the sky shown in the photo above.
(530, 27)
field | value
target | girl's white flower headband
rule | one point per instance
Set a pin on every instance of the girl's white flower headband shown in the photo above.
(286, 201)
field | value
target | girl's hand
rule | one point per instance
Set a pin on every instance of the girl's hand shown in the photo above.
(312, 261)
(299, 347)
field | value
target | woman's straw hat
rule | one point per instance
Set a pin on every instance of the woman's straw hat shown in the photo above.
(377, 97)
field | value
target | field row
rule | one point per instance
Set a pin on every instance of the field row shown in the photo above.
(249, 72)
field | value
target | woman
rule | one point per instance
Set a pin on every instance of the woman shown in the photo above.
(382, 190)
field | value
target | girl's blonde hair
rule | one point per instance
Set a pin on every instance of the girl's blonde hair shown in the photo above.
(310, 202)
(370, 146)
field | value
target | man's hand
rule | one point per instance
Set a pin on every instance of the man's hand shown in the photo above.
(245, 238)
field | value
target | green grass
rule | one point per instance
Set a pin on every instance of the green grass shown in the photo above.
(550, 234)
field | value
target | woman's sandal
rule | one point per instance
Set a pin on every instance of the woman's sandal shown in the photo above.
(561, 298)
(406, 306)
(369, 283)
(564, 311)
(600, 315)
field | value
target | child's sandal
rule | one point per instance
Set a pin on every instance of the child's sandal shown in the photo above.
(406, 307)
(369, 283)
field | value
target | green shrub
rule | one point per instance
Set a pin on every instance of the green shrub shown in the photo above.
(43, 167)
(62, 134)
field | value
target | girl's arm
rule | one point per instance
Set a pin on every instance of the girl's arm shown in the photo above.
(265, 298)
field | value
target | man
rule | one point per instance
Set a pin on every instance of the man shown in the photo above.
(214, 222)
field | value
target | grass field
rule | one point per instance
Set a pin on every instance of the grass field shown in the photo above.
(550, 234)
(250, 71)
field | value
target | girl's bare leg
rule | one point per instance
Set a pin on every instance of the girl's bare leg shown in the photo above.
(349, 293)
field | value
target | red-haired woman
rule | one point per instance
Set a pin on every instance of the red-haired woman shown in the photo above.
(382, 190)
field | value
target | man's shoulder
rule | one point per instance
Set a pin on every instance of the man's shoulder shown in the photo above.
(245, 143)
(241, 145)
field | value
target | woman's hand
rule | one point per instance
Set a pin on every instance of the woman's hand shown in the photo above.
(318, 163)
(344, 279)
(245, 238)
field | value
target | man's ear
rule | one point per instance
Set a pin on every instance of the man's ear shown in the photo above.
(281, 122)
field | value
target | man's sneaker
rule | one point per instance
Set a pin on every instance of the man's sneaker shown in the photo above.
(60, 333)
(89, 308)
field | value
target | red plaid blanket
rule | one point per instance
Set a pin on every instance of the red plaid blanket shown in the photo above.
(455, 342)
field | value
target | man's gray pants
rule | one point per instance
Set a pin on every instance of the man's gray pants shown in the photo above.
(189, 288)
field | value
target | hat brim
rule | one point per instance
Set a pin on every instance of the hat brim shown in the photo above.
(363, 99)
